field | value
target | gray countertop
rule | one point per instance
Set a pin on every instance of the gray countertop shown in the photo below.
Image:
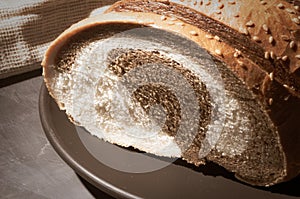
(29, 166)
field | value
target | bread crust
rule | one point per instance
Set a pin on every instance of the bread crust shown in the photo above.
(259, 20)
(214, 46)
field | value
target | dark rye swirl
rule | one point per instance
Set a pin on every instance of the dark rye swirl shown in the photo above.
(162, 85)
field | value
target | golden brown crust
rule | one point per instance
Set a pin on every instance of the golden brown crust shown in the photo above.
(273, 24)
(252, 74)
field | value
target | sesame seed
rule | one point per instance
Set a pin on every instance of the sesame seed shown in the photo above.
(173, 18)
(195, 3)
(270, 101)
(236, 55)
(163, 18)
(271, 75)
(194, 33)
(232, 2)
(297, 8)
(219, 12)
(263, 3)
(221, 6)
(267, 55)
(218, 52)
(287, 98)
(256, 38)
(208, 3)
(271, 39)
(290, 11)
(280, 6)
(250, 23)
(244, 31)
(285, 37)
(285, 58)
(297, 56)
(296, 20)
(265, 27)
(292, 44)
(217, 38)
(240, 63)
(272, 55)
(236, 50)
(285, 86)
(209, 36)
(236, 15)
(171, 23)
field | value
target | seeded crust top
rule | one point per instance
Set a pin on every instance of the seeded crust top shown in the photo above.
(272, 24)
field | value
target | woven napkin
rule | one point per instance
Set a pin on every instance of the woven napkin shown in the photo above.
(28, 26)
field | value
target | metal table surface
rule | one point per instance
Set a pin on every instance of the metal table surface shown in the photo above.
(29, 166)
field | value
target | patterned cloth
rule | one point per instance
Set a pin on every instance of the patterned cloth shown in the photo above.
(28, 26)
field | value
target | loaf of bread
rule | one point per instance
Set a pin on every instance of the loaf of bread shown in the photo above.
(203, 81)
